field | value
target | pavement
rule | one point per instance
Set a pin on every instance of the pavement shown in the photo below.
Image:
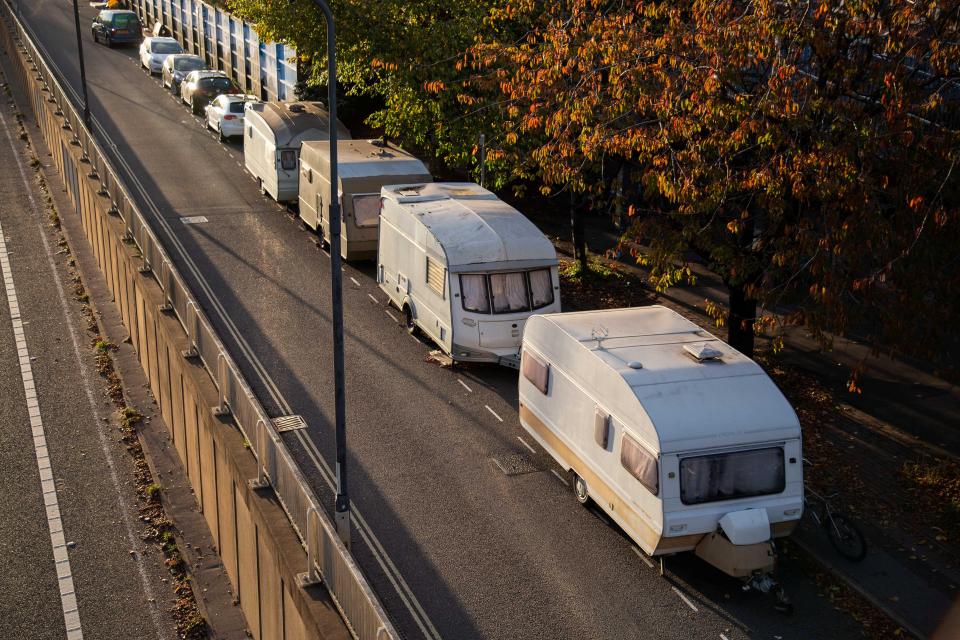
(454, 547)
(74, 564)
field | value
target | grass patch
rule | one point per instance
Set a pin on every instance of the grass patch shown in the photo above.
(935, 484)
(602, 285)
(153, 490)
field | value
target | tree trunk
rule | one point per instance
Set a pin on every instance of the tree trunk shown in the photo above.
(579, 238)
(743, 310)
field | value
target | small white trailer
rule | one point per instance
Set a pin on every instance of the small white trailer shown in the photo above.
(683, 441)
(464, 267)
(364, 167)
(271, 142)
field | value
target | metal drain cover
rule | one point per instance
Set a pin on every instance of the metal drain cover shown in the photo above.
(515, 464)
(289, 423)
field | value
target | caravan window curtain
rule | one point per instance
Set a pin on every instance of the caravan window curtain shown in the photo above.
(509, 292)
(541, 288)
(727, 476)
(366, 209)
(288, 159)
(473, 289)
(641, 464)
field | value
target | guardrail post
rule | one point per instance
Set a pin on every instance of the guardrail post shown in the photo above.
(165, 282)
(192, 322)
(222, 381)
(311, 577)
(262, 481)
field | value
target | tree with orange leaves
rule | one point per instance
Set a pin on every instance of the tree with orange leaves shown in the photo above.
(805, 151)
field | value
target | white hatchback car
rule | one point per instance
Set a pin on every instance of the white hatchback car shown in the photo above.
(154, 50)
(225, 114)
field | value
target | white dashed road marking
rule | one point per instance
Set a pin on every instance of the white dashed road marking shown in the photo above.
(372, 298)
(493, 412)
(392, 317)
(464, 384)
(532, 450)
(559, 477)
(723, 637)
(354, 281)
(643, 556)
(685, 599)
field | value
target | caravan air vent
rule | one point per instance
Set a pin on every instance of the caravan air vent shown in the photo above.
(411, 191)
(295, 107)
(635, 364)
(703, 352)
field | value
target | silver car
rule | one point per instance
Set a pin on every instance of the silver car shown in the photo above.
(153, 52)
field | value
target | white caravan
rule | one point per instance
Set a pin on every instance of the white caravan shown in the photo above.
(464, 267)
(271, 142)
(363, 168)
(683, 441)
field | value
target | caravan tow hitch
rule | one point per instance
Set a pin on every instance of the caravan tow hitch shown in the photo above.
(765, 583)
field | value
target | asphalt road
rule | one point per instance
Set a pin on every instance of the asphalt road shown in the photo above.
(69, 529)
(461, 550)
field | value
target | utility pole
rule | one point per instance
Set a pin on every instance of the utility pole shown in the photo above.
(83, 69)
(342, 505)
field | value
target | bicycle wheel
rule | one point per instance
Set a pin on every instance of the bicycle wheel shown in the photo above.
(846, 538)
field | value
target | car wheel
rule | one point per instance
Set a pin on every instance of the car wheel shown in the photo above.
(95, 38)
(580, 490)
(109, 43)
(220, 135)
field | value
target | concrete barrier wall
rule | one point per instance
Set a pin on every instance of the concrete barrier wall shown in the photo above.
(259, 549)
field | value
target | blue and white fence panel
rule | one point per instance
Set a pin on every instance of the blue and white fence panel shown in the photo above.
(265, 69)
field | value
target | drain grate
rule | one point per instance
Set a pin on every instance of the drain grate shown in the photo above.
(289, 423)
(515, 464)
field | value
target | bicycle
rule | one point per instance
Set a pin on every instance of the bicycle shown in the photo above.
(845, 537)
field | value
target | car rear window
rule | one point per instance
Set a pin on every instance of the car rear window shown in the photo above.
(189, 64)
(236, 107)
(217, 84)
(123, 20)
(165, 47)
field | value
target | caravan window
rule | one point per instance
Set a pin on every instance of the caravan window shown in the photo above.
(509, 292)
(366, 209)
(641, 464)
(473, 288)
(535, 370)
(288, 159)
(726, 476)
(541, 288)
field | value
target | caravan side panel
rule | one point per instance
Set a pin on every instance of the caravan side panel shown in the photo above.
(563, 422)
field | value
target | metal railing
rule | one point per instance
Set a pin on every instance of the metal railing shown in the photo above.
(328, 558)
(266, 69)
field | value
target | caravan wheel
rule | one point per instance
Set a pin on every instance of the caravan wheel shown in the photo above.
(408, 320)
(580, 490)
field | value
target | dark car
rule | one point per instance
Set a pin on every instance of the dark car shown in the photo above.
(201, 87)
(177, 67)
(116, 27)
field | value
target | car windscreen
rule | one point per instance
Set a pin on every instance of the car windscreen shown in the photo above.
(727, 476)
(215, 85)
(189, 64)
(165, 47)
(236, 107)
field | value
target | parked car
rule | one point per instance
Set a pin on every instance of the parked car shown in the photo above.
(116, 27)
(176, 67)
(225, 114)
(154, 51)
(200, 87)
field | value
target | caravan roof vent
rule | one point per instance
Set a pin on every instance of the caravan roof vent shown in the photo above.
(295, 107)
(703, 352)
(413, 190)
(635, 364)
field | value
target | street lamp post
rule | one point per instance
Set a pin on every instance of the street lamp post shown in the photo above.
(83, 69)
(342, 505)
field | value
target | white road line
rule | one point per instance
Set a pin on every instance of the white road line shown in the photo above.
(464, 384)
(643, 556)
(68, 597)
(493, 412)
(386, 564)
(559, 477)
(723, 637)
(393, 574)
(372, 298)
(132, 538)
(392, 317)
(684, 598)
(532, 450)
(354, 281)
